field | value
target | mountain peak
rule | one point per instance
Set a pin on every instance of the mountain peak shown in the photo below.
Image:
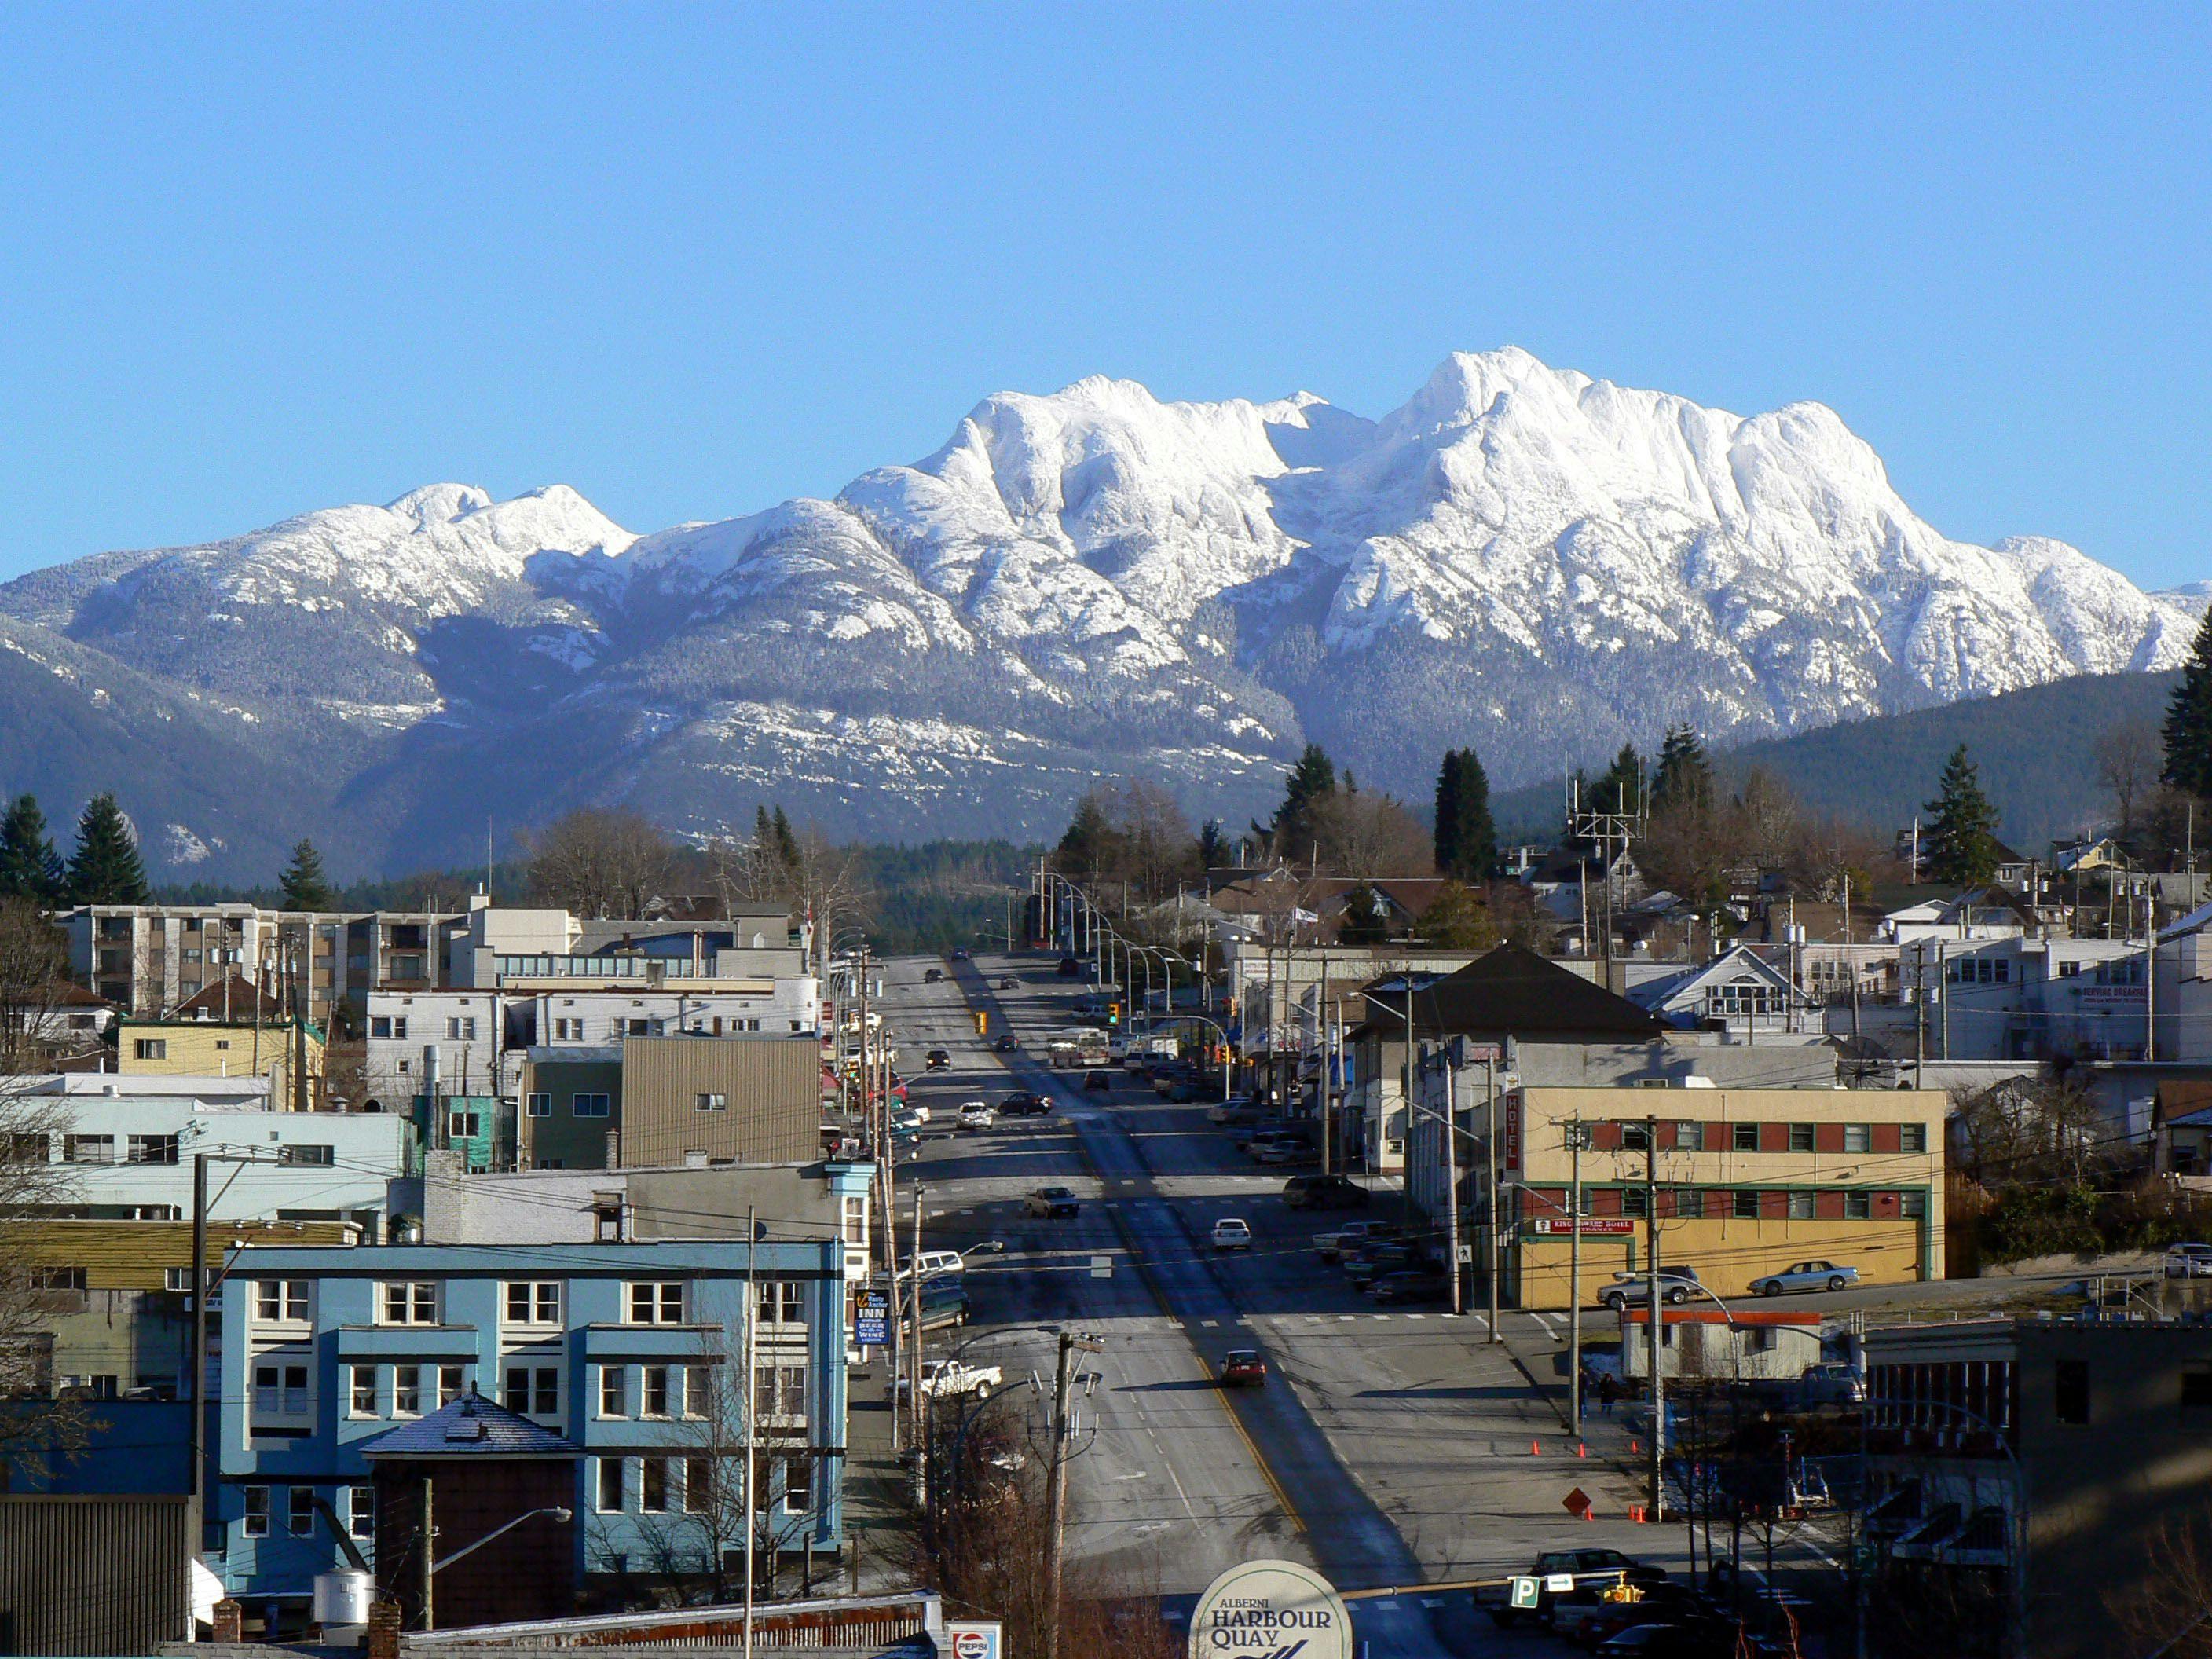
(441, 503)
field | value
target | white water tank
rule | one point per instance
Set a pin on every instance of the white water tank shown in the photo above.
(342, 1600)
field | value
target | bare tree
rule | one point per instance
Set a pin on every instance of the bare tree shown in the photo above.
(2127, 759)
(1364, 834)
(598, 861)
(2166, 1607)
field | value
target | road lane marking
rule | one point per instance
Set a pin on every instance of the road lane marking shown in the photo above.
(1210, 1324)
(1550, 1329)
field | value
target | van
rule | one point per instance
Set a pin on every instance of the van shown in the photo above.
(934, 1264)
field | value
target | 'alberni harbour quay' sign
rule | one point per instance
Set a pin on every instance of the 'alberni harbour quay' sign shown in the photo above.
(1271, 1610)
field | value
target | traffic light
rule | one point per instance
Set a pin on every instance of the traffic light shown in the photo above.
(982, 1022)
(1113, 1013)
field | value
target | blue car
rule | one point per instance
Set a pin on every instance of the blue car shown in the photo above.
(1805, 1276)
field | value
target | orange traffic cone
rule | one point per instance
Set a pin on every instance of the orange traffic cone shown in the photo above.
(1534, 1451)
(1581, 1450)
(1634, 1447)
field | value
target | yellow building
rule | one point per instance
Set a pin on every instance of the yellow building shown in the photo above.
(206, 1037)
(1748, 1181)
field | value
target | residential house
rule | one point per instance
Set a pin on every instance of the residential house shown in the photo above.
(633, 1354)
(225, 1029)
(1739, 992)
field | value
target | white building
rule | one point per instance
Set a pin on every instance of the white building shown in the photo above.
(129, 1144)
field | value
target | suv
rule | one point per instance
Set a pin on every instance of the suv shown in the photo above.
(1324, 1192)
(1069, 968)
(1098, 1083)
(936, 1060)
(1676, 1286)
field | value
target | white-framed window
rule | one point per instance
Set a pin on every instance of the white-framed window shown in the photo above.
(856, 1218)
(589, 1105)
(657, 1302)
(652, 1395)
(152, 1149)
(87, 1148)
(610, 1486)
(407, 1391)
(300, 1512)
(537, 1105)
(391, 1027)
(461, 1029)
(256, 1522)
(282, 1301)
(614, 1391)
(568, 1030)
(714, 1102)
(303, 1152)
(463, 1123)
(532, 1391)
(361, 1391)
(780, 1392)
(361, 1511)
(533, 1301)
(449, 1384)
(782, 1302)
(410, 1302)
(798, 1486)
(698, 1401)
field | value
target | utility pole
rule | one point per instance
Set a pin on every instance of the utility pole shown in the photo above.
(195, 1371)
(1489, 1205)
(1451, 1181)
(426, 1536)
(1652, 1315)
(1405, 1161)
(752, 1405)
(1056, 1485)
(2150, 972)
(1574, 1275)
(917, 1422)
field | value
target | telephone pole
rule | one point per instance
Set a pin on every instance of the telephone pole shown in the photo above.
(1056, 1485)
(1574, 1274)
(1651, 1315)
(1490, 1204)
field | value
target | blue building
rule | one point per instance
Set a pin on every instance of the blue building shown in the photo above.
(633, 1353)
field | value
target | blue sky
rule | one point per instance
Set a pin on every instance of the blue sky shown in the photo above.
(693, 260)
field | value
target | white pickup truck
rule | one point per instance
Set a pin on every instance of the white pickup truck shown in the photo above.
(945, 1379)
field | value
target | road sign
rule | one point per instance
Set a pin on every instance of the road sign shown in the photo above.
(1527, 1594)
(1258, 1607)
(1576, 1502)
(871, 1321)
(1466, 1255)
(1559, 1583)
(1102, 1266)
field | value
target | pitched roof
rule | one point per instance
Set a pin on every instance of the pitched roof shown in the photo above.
(229, 998)
(1514, 992)
(470, 1426)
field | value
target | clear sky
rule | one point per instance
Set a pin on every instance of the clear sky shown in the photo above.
(694, 259)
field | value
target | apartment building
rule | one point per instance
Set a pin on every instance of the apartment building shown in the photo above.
(230, 1029)
(148, 958)
(629, 1357)
(123, 1148)
(572, 1109)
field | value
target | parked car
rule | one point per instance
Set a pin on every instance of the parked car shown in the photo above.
(1051, 1203)
(1229, 1111)
(1327, 1245)
(1676, 1286)
(1324, 1192)
(1287, 1151)
(1098, 1083)
(936, 1060)
(920, 1109)
(934, 1264)
(1655, 1604)
(1833, 1382)
(1562, 1572)
(944, 1304)
(1242, 1367)
(976, 1115)
(2189, 1262)
(943, 1378)
(1371, 1264)
(1008, 982)
(933, 975)
(1233, 1233)
(1805, 1276)
(1427, 1283)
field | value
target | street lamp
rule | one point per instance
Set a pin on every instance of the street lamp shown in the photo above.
(561, 1515)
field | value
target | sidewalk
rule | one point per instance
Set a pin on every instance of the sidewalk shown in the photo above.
(876, 1489)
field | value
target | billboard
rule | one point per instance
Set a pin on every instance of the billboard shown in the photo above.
(1269, 1607)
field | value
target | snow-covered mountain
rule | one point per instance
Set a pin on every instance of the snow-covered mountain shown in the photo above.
(1088, 584)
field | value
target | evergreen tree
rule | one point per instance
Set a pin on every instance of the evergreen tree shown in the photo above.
(787, 845)
(2189, 720)
(1364, 921)
(104, 868)
(1213, 845)
(305, 886)
(1312, 780)
(1457, 920)
(1683, 775)
(29, 866)
(1088, 846)
(1620, 789)
(763, 832)
(1467, 837)
(1962, 826)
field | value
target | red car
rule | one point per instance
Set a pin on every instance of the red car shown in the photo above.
(1243, 1368)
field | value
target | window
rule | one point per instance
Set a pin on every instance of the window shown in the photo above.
(1801, 1207)
(29, 1148)
(1689, 1137)
(58, 1279)
(659, 1301)
(151, 1048)
(361, 1511)
(534, 1391)
(388, 1029)
(539, 1106)
(1747, 1137)
(612, 1403)
(1801, 1138)
(652, 1485)
(279, 1390)
(449, 1384)
(856, 1219)
(463, 1124)
(462, 1029)
(568, 1030)
(362, 1402)
(1761, 1339)
(2069, 1400)
(533, 1301)
(1746, 1206)
(257, 1512)
(588, 1105)
(407, 1391)
(411, 1302)
(696, 1398)
(1635, 1137)
(791, 1391)
(1858, 1206)
(1912, 1206)
(782, 1302)
(152, 1149)
(611, 1485)
(698, 1485)
(1858, 1138)
(714, 1102)
(320, 1156)
(88, 1149)
(653, 1401)
(281, 1299)
(799, 1485)
(1913, 1137)
(1635, 1201)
